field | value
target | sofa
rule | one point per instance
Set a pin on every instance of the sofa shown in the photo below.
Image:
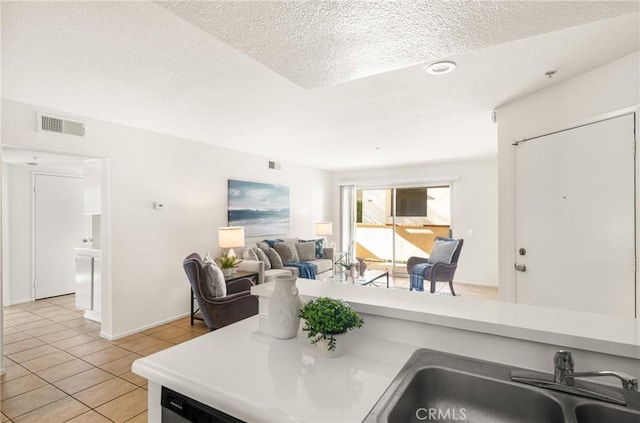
(269, 267)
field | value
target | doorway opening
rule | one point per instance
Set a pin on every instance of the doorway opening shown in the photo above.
(51, 219)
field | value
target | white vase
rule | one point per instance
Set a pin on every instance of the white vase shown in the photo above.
(323, 346)
(284, 308)
(226, 272)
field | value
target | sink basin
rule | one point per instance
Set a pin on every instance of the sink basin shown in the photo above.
(451, 395)
(597, 413)
(438, 387)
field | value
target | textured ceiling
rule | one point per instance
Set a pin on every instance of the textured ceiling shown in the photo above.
(240, 74)
(319, 43)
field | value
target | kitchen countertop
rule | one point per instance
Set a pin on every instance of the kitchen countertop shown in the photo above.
(244, 372)
(92, 252)
(588, 331)
(256, 378)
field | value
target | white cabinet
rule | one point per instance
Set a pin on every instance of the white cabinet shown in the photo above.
(92, 187)
(84, 272)
(89, 282)
(97, 284)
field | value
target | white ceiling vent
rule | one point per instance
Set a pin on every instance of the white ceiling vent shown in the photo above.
(59, 125)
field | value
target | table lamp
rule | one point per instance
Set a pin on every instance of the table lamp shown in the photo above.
(229, 237)
(323, 229)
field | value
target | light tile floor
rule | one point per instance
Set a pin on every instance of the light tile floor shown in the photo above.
(462, 289)
(442, 288)
(58, 369)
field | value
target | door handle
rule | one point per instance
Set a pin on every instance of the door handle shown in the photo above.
(520, 267)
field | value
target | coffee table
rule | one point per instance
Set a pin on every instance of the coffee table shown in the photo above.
(371, 276)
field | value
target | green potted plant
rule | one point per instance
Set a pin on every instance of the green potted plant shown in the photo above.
(345, 262)
(228, 264)
(325, 320)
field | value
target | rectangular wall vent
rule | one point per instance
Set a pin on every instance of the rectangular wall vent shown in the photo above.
(58, 125)
(274, 165)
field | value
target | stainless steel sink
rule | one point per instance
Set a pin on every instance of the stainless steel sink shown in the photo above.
(439, 387)
(473, 397)
(598, 413)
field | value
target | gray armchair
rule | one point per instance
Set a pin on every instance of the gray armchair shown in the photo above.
(438, 271)
(218, 312)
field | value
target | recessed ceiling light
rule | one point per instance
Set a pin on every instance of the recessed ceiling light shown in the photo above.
(440, 68)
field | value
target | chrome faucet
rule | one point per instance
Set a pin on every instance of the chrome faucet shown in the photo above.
(564, 374)
(563, 380)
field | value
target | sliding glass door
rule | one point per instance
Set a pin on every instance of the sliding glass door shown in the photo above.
(393, 224)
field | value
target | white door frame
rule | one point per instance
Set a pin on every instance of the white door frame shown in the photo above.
(33, 221)
(5, 288)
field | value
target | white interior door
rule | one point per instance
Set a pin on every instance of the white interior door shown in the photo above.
(60, 225)
(575, 218)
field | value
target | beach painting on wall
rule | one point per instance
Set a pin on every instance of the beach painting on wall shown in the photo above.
(263, 209)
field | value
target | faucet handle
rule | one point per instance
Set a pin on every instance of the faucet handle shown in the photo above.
(563, 360)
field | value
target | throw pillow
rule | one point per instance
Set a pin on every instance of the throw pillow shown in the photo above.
(443, 251)
(208, 259)
(306, 251)
(262, 256)
(294, 251)
(286, 253)
(263, 246)
(208, 290)
(215, 282)
(319, 244)
(274, 258)
(270, 242)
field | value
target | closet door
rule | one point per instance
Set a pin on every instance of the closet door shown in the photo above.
(60, 225)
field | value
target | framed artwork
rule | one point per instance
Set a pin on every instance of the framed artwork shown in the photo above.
(263, 209)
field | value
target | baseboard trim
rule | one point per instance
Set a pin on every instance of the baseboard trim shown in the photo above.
(109, 337)
(21, 301)
(95, 316)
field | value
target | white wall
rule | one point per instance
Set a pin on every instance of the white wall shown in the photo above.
(601, 92)
(475, 208)
(147, 282)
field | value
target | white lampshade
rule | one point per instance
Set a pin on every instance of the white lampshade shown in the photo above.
(324, 228)
(231, 236)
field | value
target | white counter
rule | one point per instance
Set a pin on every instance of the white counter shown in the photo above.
(257, 378)
(88, 252)
(245, 373)
(575, 329)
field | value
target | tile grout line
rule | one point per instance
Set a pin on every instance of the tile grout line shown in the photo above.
(67, 395)
(33, 311)
(75, 357)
